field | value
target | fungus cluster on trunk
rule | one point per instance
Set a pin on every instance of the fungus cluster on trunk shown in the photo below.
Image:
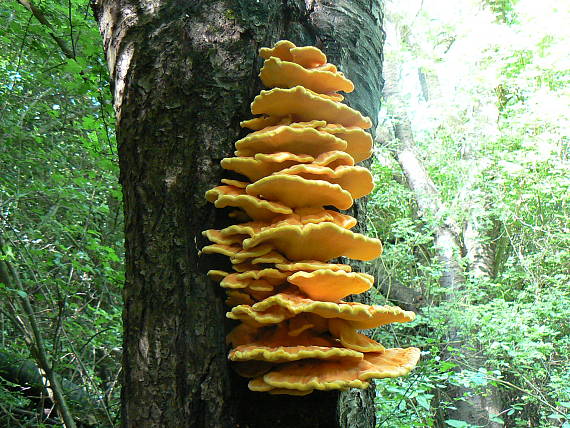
(295, 333)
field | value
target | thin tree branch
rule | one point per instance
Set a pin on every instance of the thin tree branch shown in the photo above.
(70, 27)
(41, 353)
(38, 14)
(32, 414)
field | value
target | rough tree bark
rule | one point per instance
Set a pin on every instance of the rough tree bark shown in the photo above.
(183, 75)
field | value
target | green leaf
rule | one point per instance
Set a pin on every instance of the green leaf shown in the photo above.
(8, 253)
(556, 416)
(457, 424)
(72, 66)
(423, 401)
(89, 123)
(497, 419)
(21, 293)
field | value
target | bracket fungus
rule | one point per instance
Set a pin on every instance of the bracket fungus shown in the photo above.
(329, 285)
(295, 334)
(301, 140)
(286, 74)
(306, 105)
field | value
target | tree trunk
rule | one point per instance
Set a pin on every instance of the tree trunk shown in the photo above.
(470, 406)
(429, 205)
(405, 297)
(183, 75)
(479, 252)
(480, 257)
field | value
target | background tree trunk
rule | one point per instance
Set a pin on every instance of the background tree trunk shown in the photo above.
(473, 407)
(430, 205)
(86, 409)
(183, 76)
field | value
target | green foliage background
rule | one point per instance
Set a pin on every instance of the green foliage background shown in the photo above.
(508, 170)
(60, 203)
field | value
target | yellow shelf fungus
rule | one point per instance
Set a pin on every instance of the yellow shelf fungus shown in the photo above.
(358, 142)
(305, 105)
(308, 375)
(356, 180)
(297, 192)
(277, 73)
(329, 285)
(350, 338)
(286, 305)
(277, 346)
(306, 56)
(334, 159)
(302, 140)
(281, 353)
(217, 237)
(255, 208)
(295, 334)
(236, 297)
(312, 265)
(272, 257)
(262, 165)
(264, 121)
(322, 241)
